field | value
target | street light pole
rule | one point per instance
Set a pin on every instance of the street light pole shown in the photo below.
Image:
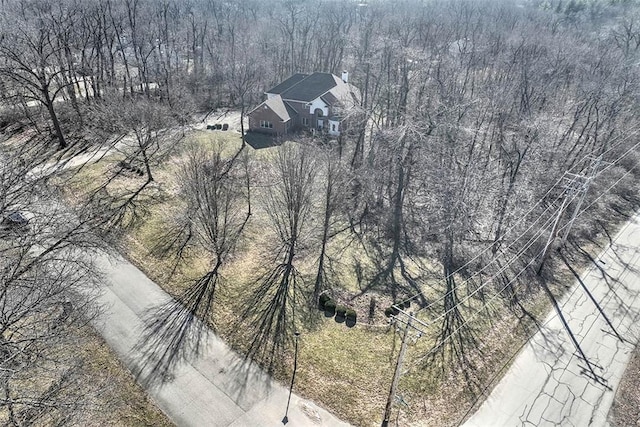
(293, 377)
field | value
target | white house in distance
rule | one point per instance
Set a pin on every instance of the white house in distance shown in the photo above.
(316, 101)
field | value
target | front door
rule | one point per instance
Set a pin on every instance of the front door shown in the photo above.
(320, 123)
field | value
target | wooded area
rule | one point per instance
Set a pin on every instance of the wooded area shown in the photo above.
(490, 126)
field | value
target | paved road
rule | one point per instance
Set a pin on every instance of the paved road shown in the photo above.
(549, 384)
(214, 388)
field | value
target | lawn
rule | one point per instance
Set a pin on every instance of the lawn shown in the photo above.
(346, 369)
(122, 401)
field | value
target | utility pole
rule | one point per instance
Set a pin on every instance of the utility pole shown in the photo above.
(396, 374)
(569, 189)
(595, 165)
(576, 183)
(552, 236)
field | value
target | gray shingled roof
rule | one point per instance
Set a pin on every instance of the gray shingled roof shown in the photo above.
(309, 88)
(306, 88)
(296, 78)
(278, 106)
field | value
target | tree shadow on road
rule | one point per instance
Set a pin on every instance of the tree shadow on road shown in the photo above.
(174, 332)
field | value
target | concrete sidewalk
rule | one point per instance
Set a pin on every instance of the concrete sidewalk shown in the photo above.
(549, 384)
(214, 388)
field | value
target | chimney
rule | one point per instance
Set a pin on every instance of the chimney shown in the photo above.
(345, 76)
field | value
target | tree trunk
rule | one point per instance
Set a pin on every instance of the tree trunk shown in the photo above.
(62, 143)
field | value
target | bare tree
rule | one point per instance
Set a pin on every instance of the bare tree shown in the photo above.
(29, 57)
(146, 135)
(217, 195)
(46, 282)
(271, 309)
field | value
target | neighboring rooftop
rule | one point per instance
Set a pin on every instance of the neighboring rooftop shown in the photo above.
(306, 88)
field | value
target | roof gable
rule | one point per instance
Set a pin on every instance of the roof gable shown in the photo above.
(276, 105)
(304, 88)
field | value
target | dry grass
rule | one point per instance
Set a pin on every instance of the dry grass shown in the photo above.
(347, 370)
(625, 411)
(122, 402)
(105, 390)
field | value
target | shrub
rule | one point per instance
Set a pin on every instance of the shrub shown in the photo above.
(351, 314)
(323, 299)
(406, 304)
(388, 311)
(330, 305)
(341, 311)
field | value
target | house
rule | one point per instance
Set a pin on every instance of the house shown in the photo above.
(318, 102)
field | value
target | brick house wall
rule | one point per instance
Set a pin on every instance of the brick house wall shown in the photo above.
(267, 115)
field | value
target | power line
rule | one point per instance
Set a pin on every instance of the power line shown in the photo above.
(570, 193)
(487, 282)
(540, 200)
(486, 266)
(485, 304)
(522, 251)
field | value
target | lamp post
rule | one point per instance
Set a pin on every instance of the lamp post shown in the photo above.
(293, 377)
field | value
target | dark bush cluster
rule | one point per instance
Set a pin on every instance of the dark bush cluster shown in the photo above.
(330, 306)
(341, 312)
(394, 309)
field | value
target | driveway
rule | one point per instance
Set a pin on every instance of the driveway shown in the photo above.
(550, 383)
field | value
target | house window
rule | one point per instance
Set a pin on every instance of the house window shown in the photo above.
(333, 127)
(266, 124)
(305, 121)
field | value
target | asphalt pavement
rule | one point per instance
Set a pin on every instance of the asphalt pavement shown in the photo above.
(212, 387)
(550, 383)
